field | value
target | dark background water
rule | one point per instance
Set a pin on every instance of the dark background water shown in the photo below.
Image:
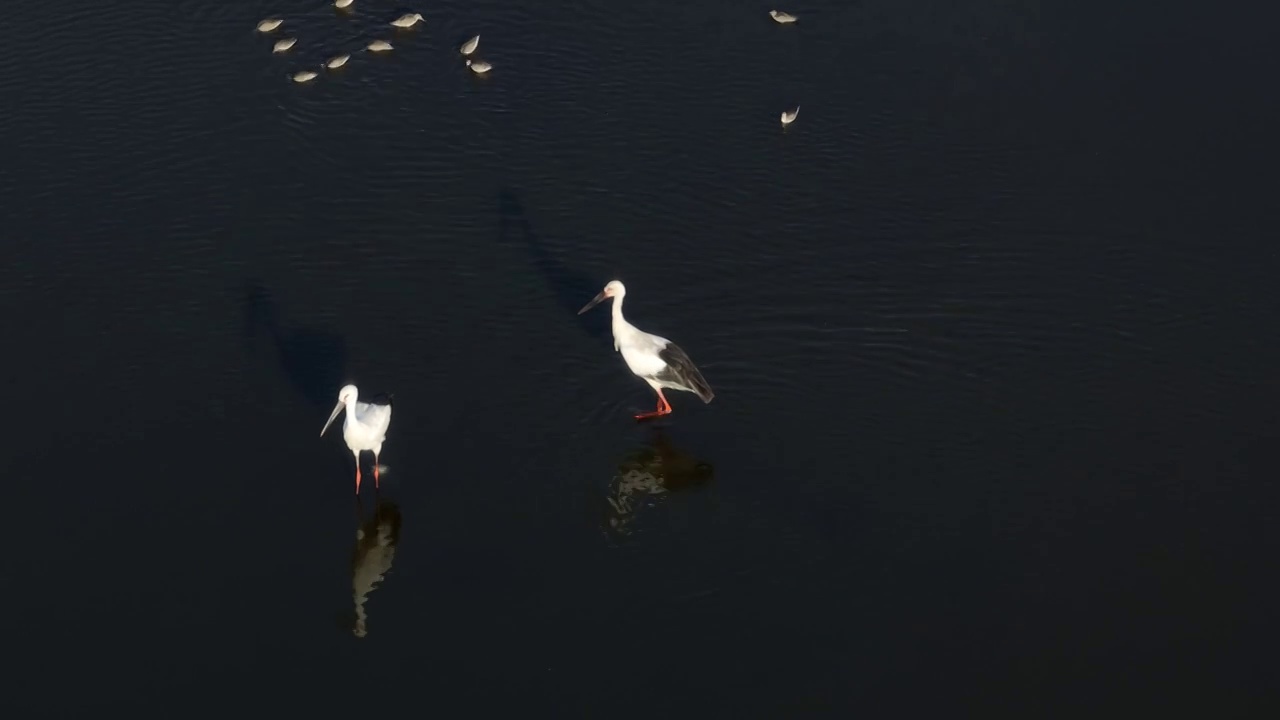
(991, 329)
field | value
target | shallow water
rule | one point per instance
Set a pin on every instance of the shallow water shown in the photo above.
(988, 328)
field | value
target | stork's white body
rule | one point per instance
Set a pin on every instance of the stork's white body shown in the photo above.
(364, 428)
(640, 350)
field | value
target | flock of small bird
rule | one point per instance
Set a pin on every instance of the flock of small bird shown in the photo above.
(406, 21)
(788, 116)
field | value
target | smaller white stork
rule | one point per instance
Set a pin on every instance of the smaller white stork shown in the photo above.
(656, 360)
(365, 427)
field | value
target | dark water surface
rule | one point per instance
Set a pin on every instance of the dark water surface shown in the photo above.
(991, 329)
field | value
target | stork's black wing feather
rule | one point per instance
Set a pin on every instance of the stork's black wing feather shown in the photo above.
(381, 399)
(680, 369)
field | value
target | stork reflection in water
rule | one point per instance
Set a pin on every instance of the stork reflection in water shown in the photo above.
(375, 549)
(649, 474)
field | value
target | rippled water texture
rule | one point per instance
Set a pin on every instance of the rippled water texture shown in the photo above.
(990, 329)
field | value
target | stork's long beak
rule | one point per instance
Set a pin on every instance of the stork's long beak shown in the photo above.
(594, 302)
(336, 410)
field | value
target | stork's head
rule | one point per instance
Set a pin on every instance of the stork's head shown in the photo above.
(346, 396)
(615, 289)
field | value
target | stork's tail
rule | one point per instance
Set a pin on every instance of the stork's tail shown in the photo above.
(700, 387)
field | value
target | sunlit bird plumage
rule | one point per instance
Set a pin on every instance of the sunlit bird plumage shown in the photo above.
(408, 20)
(337, 62)
(365, 427)
(379, 46)
(470, 46)
(789, 116)
(652, 358)
(479, 67)
(270, 24)
(781, 17)
(304, 76)
(283, 45)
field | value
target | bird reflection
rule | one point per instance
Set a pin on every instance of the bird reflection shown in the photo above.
(376, 540)
(649, 474)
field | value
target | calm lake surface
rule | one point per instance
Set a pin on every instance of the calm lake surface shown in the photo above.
(991, 329)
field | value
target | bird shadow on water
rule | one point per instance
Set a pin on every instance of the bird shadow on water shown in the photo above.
(646, 478)
(572, 287)
(313, 359)
(375, 549)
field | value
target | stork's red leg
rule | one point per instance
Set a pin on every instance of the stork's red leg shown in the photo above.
(664, 408)
(357, 477)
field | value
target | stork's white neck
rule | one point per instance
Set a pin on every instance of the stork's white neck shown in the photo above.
(621, 328)
(617, 308)
(351, 413)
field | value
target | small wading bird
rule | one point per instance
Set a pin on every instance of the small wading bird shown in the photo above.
(656, 360)
(408, 20)
(365, 427)
(470, 46)
(782, 18)
(789, 116)
(270, 24)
